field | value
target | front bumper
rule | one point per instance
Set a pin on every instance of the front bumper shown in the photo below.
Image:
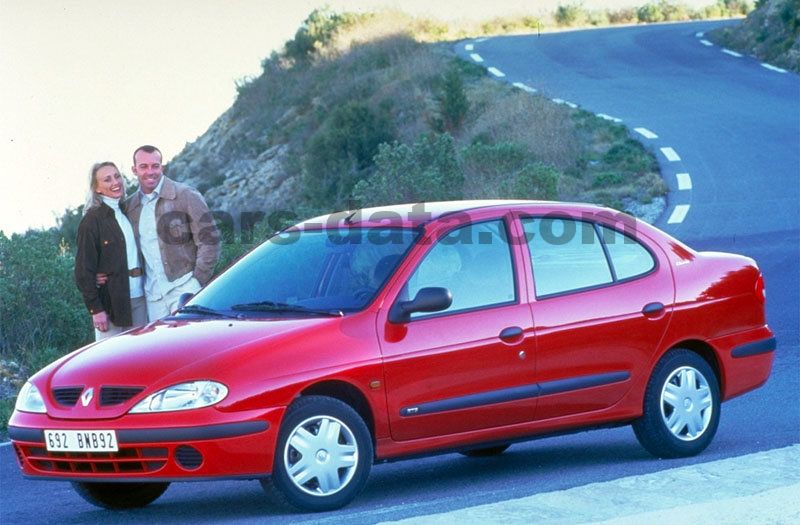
(208, 444)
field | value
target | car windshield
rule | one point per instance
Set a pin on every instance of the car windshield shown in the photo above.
(309, 273)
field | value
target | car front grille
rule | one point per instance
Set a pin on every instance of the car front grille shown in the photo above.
(126, 460)
(116, 395)
(67, 395)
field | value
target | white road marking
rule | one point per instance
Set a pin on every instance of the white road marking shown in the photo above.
(773, 68)
(699, 34)
(496, 72)
(524, 87)
(671, 155)
(706, 43)
(678, 214)
(571, 104)
(684, 181)
(469, 47)
(476, 57)
(480, 40)
(6, 444)
(609, 117)
(646, 133)
(732, 53)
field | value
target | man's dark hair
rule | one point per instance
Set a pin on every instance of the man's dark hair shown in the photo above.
(147, 149)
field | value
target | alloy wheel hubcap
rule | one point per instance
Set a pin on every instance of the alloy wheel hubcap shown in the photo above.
(321, 455)
(687, 403)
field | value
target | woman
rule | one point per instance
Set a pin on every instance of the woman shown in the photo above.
(106, 245)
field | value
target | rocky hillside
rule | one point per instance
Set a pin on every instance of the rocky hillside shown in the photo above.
(354, 100)
(771, 32)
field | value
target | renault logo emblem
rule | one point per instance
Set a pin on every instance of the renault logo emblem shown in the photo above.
(87, 396)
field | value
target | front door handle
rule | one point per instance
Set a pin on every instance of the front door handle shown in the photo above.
(653, 309)
(512, 334)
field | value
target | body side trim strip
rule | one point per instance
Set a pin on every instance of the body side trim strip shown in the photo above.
(515, 393)
(758, 347)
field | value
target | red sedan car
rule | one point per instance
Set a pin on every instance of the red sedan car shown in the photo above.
(367, 336)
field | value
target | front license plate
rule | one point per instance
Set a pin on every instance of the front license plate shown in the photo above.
(81, 440)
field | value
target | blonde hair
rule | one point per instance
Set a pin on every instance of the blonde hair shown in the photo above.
(92, 197)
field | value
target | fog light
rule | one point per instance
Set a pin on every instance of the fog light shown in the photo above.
(188, 457)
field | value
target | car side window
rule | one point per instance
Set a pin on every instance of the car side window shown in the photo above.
(473, 262)
(567, 255)
(629, 258)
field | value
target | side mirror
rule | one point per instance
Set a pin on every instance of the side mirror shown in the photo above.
(183, 299)
(427, 300)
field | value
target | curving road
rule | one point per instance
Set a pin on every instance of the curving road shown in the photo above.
(735, 125)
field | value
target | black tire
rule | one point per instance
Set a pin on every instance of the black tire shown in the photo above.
(485, 452)
(334, 486)
(119, 496)
(684, 375)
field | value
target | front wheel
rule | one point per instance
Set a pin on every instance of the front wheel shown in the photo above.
(323, 455)
(681, 406)
(119, 496)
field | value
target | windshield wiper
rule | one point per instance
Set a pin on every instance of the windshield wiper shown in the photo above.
(205, 310)
(272, 306)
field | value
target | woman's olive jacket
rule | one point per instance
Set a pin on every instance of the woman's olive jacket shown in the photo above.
(101, 249)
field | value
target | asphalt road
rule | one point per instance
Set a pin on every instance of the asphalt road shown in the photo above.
(735, 126)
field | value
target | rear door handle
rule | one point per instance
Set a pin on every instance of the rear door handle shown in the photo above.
(652, 309)
(512, 334)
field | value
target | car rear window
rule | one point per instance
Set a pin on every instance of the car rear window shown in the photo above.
(629, 258)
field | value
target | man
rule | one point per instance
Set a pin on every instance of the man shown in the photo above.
(176, 233)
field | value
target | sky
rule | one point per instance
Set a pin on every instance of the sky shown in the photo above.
(85, 81)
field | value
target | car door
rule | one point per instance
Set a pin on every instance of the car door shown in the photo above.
(603, 300)
(468, 367)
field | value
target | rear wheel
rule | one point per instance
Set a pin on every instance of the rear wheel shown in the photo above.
(485, 452)
(118, 496)
(323, 456)
(681, 406)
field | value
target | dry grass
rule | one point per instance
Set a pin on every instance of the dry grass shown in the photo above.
(546, 129)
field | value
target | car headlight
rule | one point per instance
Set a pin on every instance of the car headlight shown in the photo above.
(185, 396)
(30, 400)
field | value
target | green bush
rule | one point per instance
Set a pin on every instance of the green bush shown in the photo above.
(426, 171)
(674, 12)
(623, 16)
(609, 178)
(570, 15)
(507, 171)
(650, 13)
(316, 31)
(41, 311)
(6, 408)
(630, 155)
(453, 103)
(534, 181)
(67, 224)
(487, 166)
(340, 152)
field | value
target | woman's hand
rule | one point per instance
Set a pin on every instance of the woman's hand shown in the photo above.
(100, 320)
(100, 279)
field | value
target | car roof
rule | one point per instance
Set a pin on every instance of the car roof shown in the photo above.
(416, 214)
